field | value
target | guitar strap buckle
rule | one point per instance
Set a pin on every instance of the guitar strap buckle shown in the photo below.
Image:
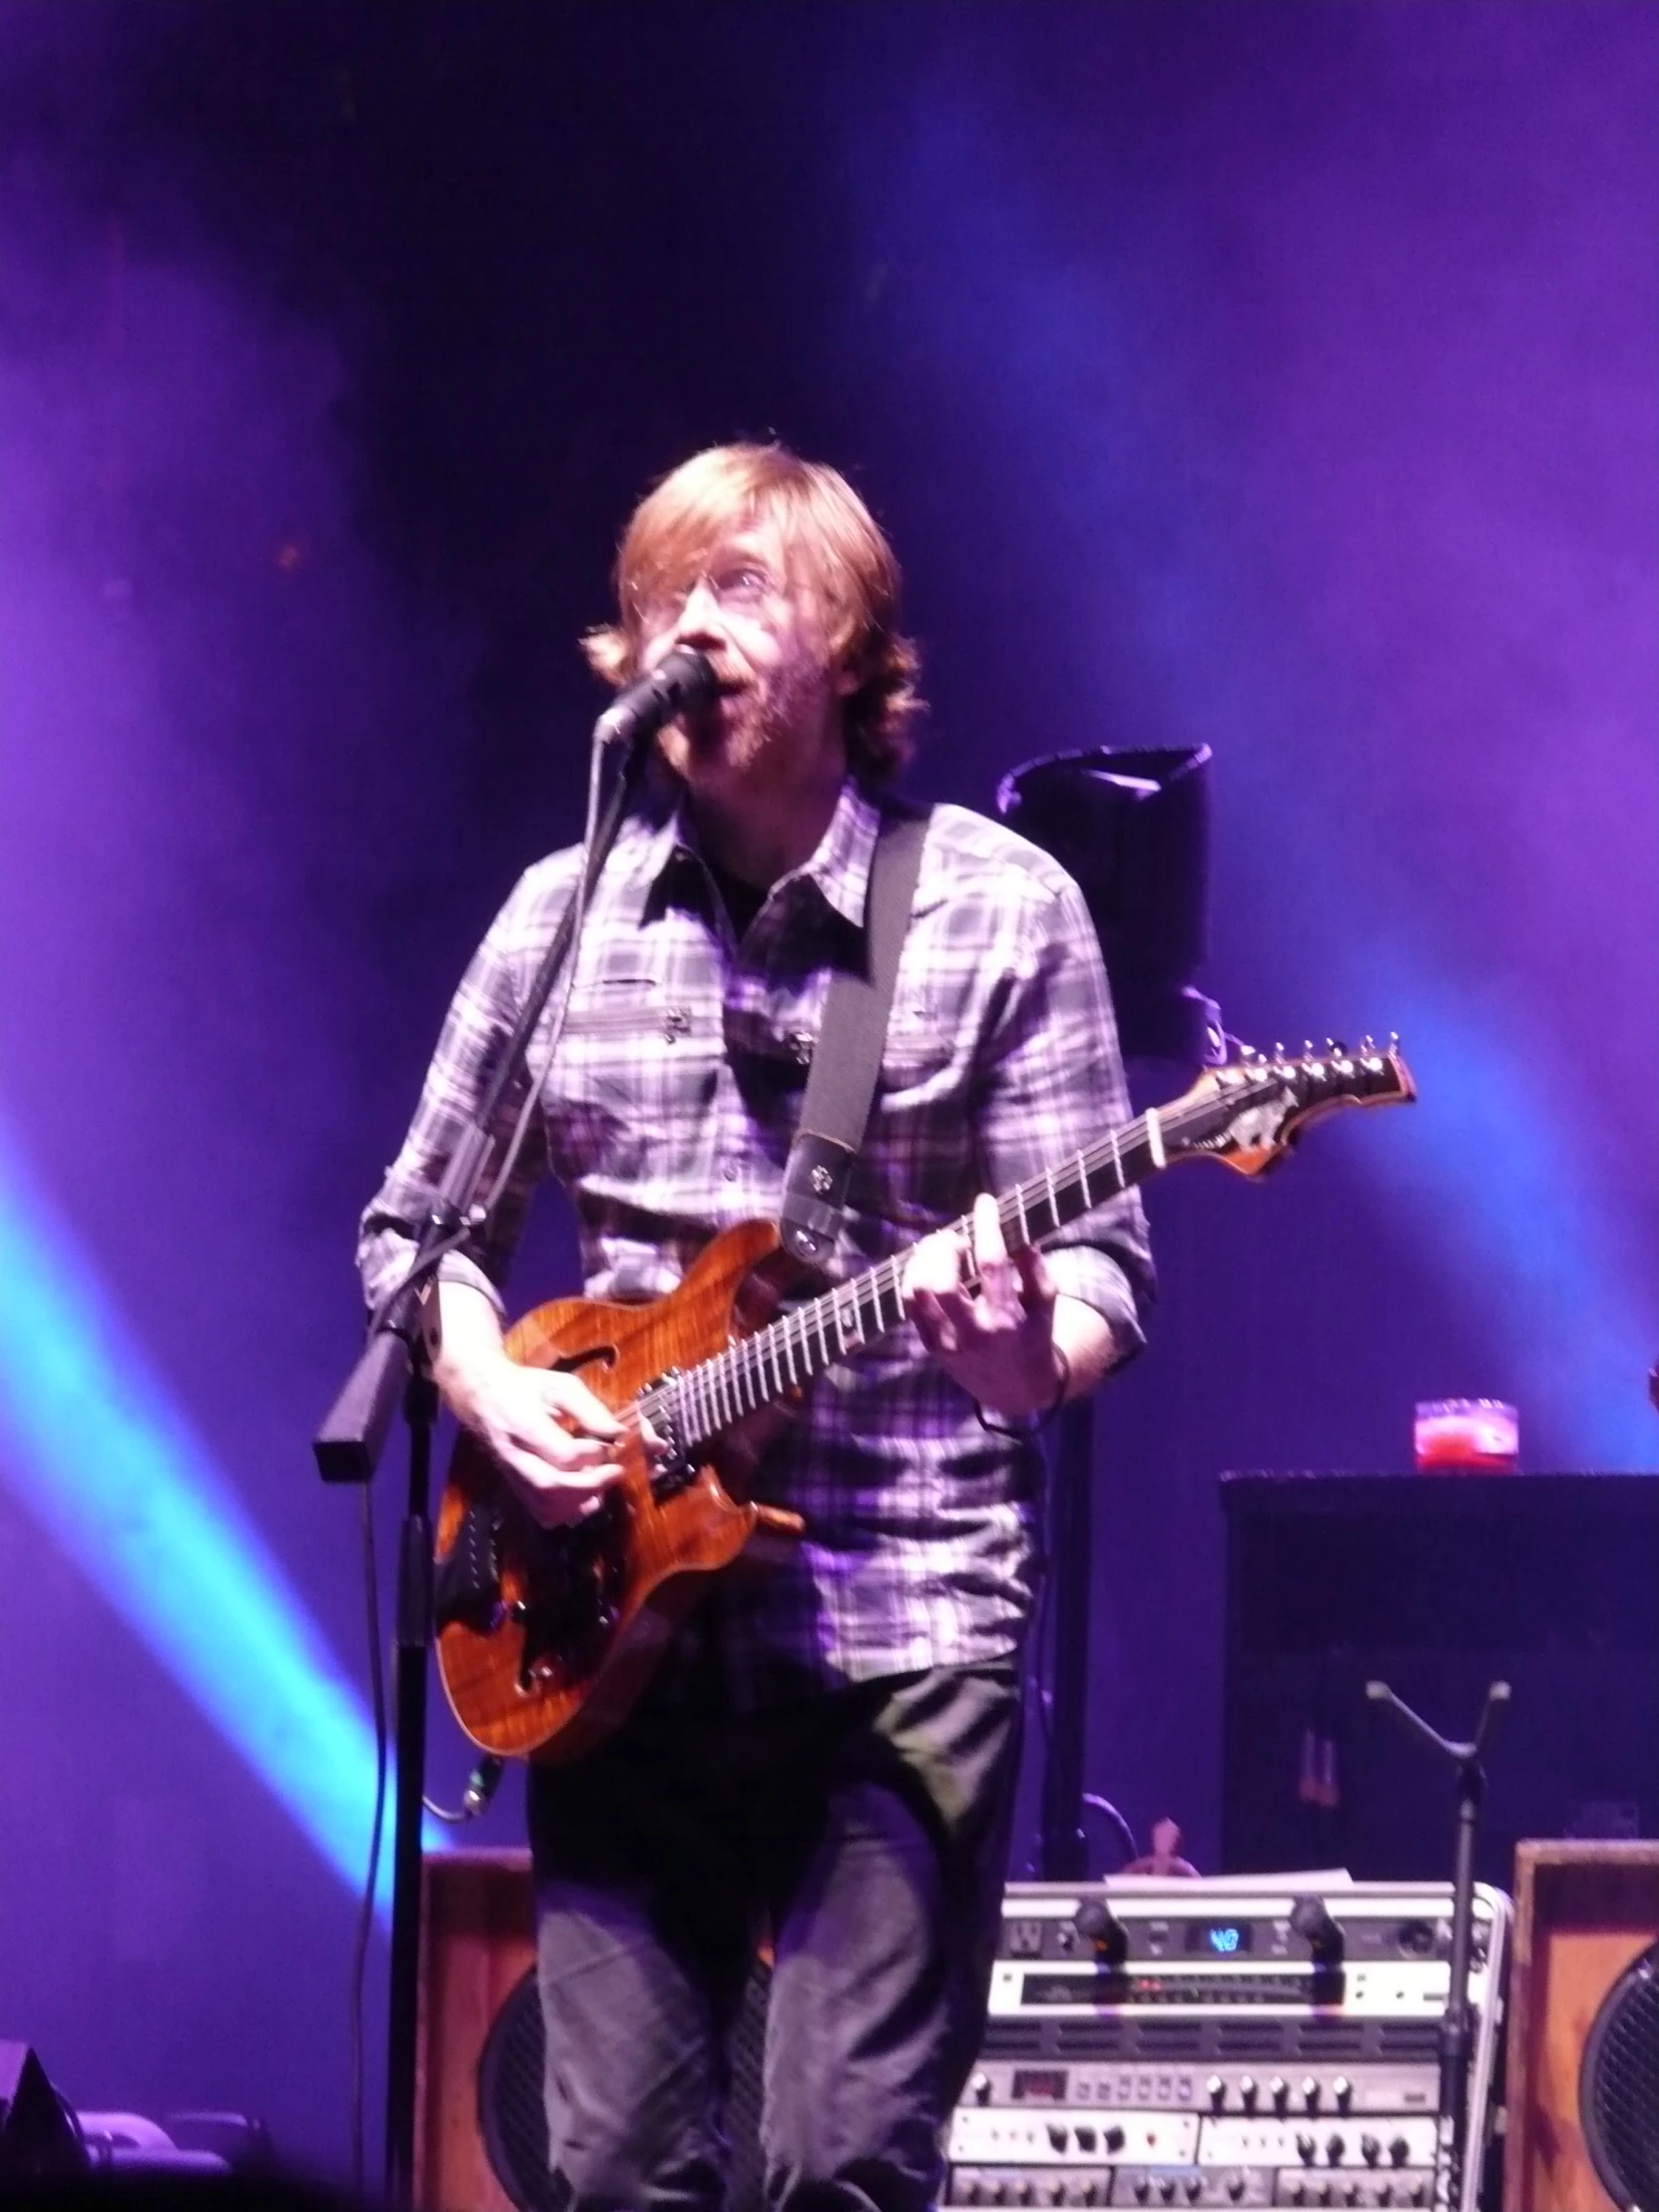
(814, 1194)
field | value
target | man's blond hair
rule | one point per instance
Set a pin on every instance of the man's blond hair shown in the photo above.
(832, 541)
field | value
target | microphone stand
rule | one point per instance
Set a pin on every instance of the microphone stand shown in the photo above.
(1456, 2023)
(347, 1448)
(1064, 1848)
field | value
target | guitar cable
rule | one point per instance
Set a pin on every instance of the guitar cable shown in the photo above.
(481, 1784)
(365, 1909)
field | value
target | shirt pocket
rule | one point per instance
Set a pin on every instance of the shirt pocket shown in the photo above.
(920, 1048)
(626, 1081)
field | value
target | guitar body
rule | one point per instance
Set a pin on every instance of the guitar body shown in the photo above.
(546, 1637)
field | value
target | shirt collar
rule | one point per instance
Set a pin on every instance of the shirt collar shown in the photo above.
(838, 869)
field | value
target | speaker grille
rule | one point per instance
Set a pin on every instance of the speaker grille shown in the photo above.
(513, 2111)
(512, 2107)
(1619, 2085)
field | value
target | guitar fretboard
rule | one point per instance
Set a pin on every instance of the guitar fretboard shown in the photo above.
(703, 1402)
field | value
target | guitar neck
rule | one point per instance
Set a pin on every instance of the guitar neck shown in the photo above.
(701, 1403)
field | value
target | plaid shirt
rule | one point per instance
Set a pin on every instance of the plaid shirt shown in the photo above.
(667, 1115)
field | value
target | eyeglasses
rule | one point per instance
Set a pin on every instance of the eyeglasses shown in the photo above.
(735, 587)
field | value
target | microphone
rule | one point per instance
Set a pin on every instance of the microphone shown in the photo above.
(685, 679)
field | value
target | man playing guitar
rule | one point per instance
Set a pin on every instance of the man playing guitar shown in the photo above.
(827, 1748)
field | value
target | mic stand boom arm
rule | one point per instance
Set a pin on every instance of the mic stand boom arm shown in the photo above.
(347, 1448)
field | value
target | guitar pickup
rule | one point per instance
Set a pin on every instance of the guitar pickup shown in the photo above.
(466, 1582)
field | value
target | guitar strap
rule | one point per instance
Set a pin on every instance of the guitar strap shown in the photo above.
(848, 1056)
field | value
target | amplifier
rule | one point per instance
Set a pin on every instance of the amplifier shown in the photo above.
(1248, 2040)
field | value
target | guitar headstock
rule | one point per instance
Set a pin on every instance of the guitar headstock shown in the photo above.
(1255, 1108)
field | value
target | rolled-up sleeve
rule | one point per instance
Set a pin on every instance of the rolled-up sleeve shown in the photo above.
(1053, 1085)
(475, 1033)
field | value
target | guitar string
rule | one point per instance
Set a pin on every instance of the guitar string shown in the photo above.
(755, 1370)
(749, 1373)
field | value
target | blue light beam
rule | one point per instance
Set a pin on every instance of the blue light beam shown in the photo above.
(103, 1461)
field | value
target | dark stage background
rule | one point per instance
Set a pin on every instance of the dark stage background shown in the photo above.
(1276, 377)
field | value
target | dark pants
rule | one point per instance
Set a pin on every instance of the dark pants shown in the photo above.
(865, 1833)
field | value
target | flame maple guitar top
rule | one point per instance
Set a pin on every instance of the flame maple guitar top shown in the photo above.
(567, 1624)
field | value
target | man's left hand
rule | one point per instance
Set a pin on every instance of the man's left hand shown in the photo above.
(997, 1340)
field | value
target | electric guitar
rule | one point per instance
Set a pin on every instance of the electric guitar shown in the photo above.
(546, 1636)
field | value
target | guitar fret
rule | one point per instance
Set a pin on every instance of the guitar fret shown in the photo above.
(793, 1350)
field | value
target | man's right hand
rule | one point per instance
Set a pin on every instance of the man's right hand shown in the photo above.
(554, 1439)
(549, 1433)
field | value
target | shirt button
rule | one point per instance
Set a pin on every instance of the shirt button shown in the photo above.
(730, 1171)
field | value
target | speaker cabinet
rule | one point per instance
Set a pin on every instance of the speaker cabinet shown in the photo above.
(477, 1945)
(481, 2123)
(1584, 1912)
